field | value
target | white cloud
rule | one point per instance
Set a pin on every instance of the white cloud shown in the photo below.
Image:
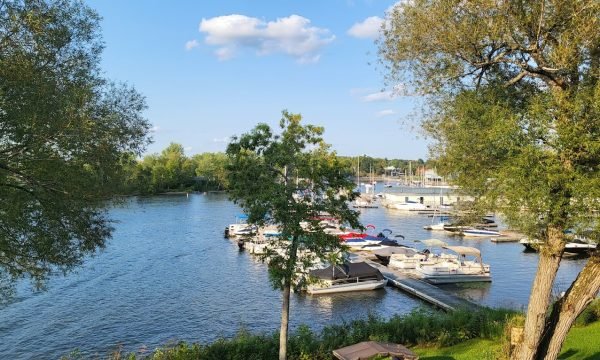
(367, 95)
(379, 96)
(187, 148)
(155, 128)
(292, 36)
(225, 139)
(386, 112)
(189, 45)
(370, 28)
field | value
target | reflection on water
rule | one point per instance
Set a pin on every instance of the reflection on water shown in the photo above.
(168, 274)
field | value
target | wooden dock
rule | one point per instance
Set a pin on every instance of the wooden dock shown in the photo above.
(421, 289)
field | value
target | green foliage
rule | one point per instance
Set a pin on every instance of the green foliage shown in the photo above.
(590, 314)
(172, 170)
(420, 327)
(289, 179)
(514, 109)
(515, 115)
(65, 135)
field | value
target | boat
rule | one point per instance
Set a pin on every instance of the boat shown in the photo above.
(240, 228)
(455, 270)
(347, 277)
(365, 202)
(359, 243)
(436, 227)
(578, 246)
(405, 257)
(442, 223)
(383, 244)
(475, 232)
(470, 231)
(407, 206)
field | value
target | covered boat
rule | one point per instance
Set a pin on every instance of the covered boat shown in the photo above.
(454, 270)
(358, 276)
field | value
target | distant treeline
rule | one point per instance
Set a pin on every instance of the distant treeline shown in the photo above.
(172, 170)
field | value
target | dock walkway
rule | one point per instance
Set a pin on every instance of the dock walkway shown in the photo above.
(422, 290)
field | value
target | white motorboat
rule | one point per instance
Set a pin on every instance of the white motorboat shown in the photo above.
(578, 246)
(455, 270)
(359, 243)
(346, 277)
(436, 227)
(240, 228)
(474, 232)
(406, 206)
(406, 257)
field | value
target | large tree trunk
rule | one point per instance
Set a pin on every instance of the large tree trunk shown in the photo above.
(539, 300)
(285, 318)
(285, 304)
(565, 311)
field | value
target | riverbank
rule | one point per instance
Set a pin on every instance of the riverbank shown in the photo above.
(583, 343)
(461, 335)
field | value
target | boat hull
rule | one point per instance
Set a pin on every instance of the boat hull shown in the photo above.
(479, 233)
(451, 279)
(348, 287)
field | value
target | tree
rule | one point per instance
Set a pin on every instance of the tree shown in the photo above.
(290, 179)
(515, 111)
(65, 134)
(211, 167)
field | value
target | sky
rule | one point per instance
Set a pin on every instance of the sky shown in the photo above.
(213, 69)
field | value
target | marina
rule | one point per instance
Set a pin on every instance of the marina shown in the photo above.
(168, 275)
(423, 290)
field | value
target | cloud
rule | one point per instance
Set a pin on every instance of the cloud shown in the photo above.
(225, 139)
(187, 148)
(368, 29)
(189, 45)
(367, 95)
(292, 36)
(379, 96)
(155, 128)
(386, 112)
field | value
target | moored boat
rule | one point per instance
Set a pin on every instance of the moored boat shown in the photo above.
(578, 246)
(474, 232)
(455, 270)
(346, 277)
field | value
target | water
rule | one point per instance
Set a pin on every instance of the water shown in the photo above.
(168, 275)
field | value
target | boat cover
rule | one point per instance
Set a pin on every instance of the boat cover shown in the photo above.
(389, 251)
(369, 349)
(464, 250)
(434, 243)
(347, 270)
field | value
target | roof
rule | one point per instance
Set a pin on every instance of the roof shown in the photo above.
(347, 270)
(395, 250)
(369, 349)
(464, 250)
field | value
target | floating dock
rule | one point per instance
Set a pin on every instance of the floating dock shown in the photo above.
(421, 289)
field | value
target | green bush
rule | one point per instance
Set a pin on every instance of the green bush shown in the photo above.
(419, 327)
(590, 314)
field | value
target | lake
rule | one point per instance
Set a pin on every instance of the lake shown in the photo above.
(169, 275)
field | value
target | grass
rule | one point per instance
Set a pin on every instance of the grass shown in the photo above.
(434, 335)
(583, 343)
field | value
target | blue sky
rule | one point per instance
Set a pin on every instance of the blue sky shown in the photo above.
(213, 69)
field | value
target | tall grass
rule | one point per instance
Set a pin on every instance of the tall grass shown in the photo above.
(420, 327)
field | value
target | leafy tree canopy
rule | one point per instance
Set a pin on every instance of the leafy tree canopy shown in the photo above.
(290, 179)
(65, 132)
(515, 111)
